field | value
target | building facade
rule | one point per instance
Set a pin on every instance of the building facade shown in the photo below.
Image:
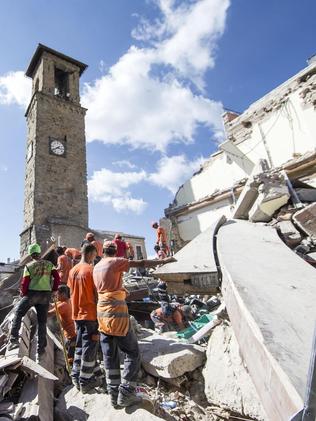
(280, 128)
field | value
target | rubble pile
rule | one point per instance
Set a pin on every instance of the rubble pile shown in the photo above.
(270, 197)
(195, 374)
(26, 385)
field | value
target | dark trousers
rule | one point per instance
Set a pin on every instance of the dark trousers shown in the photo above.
(70, 347)
(85, 368)
(39, 300)
(111, 347)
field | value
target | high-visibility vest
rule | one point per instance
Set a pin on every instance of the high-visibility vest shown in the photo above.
(112, 313)
(40, 273)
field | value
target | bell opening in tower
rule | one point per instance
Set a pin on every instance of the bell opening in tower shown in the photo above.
(61, 84)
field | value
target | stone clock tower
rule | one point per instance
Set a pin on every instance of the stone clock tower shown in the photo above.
(55, 203)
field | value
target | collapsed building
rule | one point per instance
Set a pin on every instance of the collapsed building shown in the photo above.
(251, 208)
(243, 229)
(279, 128)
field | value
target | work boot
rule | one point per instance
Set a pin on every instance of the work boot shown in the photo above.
(113, 397)
(75, 382)
(127, 397)
(88, 387)
(13, 344)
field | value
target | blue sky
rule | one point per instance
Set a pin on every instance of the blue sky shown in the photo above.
(159, 73)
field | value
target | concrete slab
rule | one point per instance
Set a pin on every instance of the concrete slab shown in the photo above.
(195, 261)
(168, 358)
(270, 297)
(227, 382)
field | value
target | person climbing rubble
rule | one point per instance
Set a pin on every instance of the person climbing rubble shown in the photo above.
(36, 290)
(64, 265)
(171, 316)
(64, 309)
(90, 239)
(114, 324)
(161, 238)
(86, 374)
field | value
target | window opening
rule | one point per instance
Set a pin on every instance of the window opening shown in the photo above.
(61, 83)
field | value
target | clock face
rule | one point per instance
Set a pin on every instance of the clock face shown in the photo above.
(57, 147)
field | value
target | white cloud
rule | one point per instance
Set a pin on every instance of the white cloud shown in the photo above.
(110, 187)
(173, 171)
(186, 35)
(15, 88)
(124, 163)
(145, 99)
(4, 168)
(129, 204)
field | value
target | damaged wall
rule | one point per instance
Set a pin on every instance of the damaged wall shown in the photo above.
(279, 127)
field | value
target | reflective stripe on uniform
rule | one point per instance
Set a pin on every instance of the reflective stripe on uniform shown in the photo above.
(112, 314)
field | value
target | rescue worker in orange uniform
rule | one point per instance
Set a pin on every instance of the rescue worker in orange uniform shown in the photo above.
(130, 251)
(64, 265)
(90, 238)
(114, 325)
(86, 374)
(64, 309)
(74, 254)
(161, 238)
(171, 316)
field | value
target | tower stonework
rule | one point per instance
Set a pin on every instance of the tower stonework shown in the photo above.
(55, 202)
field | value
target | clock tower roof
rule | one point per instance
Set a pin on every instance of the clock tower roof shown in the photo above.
(38, 53)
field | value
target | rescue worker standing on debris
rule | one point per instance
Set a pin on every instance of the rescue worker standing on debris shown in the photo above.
(36, 290)
(90, 238)
(161, 237)
(85, 370)
(63, 305)
(114, 324)
(64, 265)
(121, 247)
(74, 254)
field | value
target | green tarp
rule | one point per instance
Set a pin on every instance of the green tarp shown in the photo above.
(195, 326)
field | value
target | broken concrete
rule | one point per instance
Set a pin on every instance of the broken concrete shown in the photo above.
(305, 219)
(306, 195)
(270, 295)
(167, 357)
(250, 192)
(227, 382)
(289, 233)
(273, 194)
(195, 263)
(72, 405)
